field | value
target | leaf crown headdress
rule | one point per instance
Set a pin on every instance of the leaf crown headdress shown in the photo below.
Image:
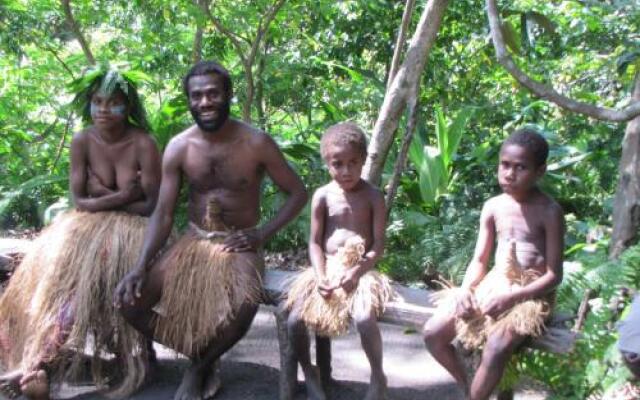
(106, 80)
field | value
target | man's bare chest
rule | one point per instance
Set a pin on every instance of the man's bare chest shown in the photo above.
(222, 169)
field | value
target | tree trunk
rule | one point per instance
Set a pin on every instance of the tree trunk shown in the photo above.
(406, 79)
(626, 208)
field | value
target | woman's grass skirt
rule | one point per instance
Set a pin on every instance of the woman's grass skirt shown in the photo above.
(331, 317)
(204, 287)
(68, 279)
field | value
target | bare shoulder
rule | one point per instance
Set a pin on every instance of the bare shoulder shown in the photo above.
(320, 195)
(178, 144)
(256, 137)
(373, 193)
(181, 140)
(144, 140)
(551, 209)
(80, 138)
(494, 203)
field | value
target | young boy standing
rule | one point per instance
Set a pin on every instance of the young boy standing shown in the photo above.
(348, 218)
(501, 308)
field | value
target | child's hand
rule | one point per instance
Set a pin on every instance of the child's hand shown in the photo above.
(349, 280)
(325, 289)
(498, 305)
(465, 305)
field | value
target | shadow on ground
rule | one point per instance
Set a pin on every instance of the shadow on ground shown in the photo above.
(247, 381)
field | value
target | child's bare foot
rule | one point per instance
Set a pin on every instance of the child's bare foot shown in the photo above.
(192, 385)
(10, 384)
(35, 385)
(212, 383)
(312, 383)
(377, 388)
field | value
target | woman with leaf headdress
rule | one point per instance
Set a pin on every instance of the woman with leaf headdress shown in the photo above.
(62, 290)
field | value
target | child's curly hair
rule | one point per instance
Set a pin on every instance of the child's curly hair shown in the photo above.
(344, 133)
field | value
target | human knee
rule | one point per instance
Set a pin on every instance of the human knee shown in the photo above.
(434, 335)
(365, 322)
(497, 348)
(295, 324)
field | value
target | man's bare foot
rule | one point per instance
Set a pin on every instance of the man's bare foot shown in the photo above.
(35, 385)
(10, 384)
(191, 387)
(312, 383)
(212, 383)
(377, 388)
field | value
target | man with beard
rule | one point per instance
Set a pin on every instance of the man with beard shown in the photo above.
(201, 295)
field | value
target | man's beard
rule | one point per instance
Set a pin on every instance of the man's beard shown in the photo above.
(212, 125)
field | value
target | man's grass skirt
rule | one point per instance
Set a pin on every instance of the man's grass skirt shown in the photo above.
(331, 317)
(204, 288)
(70, 275)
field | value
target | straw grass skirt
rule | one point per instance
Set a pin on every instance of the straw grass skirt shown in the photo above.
(331, 317)
(204, 288)
(526, 318)
(69, 277)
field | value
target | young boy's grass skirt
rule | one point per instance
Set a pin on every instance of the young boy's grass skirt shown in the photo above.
(70, 274)
(331, 317)
(526, 318)
(204, 287)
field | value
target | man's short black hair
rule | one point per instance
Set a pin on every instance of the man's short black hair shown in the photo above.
(344, 133)
(532, 141)
(209, 68)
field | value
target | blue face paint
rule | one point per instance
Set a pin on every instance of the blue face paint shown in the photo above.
(118, 110)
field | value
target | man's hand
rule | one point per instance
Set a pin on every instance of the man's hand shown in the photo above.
(498, 305)
(244, 240)
(349, 280)
(465, 304)
(129, 288)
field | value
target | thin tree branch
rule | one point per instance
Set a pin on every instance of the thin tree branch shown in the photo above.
(402, 35)
(412, 105)
(218, 25)
(76, 31)
(548, 93)
(62, 141)
(57, 57)
(263, 25)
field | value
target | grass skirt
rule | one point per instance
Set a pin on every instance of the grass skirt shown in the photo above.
(71, 273)
(332, 317)
(204, 287)
(526, 318)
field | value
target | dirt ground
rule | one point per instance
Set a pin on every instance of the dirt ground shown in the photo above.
(250, 370)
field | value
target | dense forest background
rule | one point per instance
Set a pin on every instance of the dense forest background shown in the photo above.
(300, 66)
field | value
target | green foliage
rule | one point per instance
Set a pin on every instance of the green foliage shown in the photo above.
(594, 366)
(435, 164)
